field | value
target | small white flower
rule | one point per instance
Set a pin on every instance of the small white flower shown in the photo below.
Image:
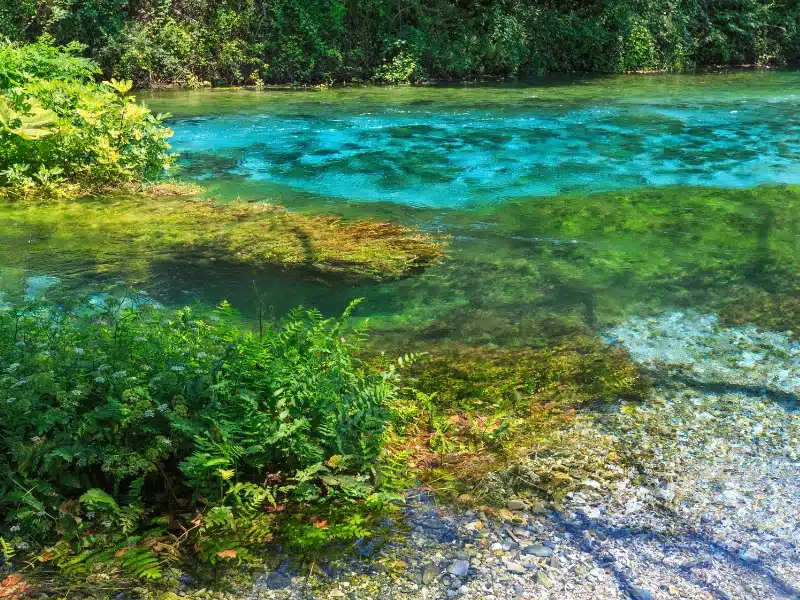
(119, 374)
(10, 400)
(177, 368)
(199, 371)
(90, 514)
(106, 523)
(140, 339)
(201, 355)
(22, 381)
(76, 392)
(149, 414)
(36, 439)
(20, 344)
(163, 407)
(14, 528)
(22, 545)
(12, 367)
(78, 351)
(99, 379)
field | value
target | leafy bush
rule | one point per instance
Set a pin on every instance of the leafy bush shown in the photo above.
(229, 41)
(117, 413)
(59, 131)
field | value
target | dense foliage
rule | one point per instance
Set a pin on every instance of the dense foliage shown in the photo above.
(60, 131)
(252, 41)
(129, 432)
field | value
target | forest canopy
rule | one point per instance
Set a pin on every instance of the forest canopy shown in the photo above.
(237, 42)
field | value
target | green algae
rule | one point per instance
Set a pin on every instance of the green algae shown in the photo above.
(542, 271)
(470, 411)
(138, 230)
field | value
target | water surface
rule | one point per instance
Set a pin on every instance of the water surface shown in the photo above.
(569, 203)
(455, 146)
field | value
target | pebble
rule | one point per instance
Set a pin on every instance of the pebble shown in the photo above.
(459, 568)
(513, 567)
(517, 505)
(749, 554)
(639, 593)
(543, 579)
(538, 550)
(429, 572)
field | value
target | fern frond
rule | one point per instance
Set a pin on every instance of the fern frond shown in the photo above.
(7, 551)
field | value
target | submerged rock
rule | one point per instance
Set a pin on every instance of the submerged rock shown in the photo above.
(538, 550)
(459, 568)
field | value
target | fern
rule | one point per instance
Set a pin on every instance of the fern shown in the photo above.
(97, 499)
(7, 550)
(142, 563)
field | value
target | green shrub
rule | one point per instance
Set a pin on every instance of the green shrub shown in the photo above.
(60, 131)
(115, 413)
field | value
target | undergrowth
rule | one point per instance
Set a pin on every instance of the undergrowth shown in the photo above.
(62, 134)
(133, 437)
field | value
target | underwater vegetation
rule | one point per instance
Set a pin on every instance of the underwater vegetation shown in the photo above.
(161, 224)
(469, 412)
(533, 272)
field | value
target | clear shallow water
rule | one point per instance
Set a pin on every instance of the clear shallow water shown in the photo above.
(457, 146)
(530, 264)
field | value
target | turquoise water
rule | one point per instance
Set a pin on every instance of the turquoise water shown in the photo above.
(568, 204)
(457, 146)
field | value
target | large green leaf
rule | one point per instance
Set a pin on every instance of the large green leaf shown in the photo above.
(34, 124)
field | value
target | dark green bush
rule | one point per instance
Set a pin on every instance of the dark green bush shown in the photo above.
(248, 41)
(114, 413)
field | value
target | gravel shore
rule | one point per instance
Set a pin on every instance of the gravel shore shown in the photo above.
(706, 504)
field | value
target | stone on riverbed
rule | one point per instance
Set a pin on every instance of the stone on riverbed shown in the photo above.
(538, 550)
(517, 505)
(459, 568)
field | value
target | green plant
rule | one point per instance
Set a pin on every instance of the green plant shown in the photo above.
(57, 126)
(130, 433)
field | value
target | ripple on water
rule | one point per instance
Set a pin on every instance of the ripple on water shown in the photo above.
(423, 151)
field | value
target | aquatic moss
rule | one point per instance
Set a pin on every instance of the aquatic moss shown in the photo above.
(523, 379)
(539, 272)
(752, 305)
(471, 411)
(159, 224)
